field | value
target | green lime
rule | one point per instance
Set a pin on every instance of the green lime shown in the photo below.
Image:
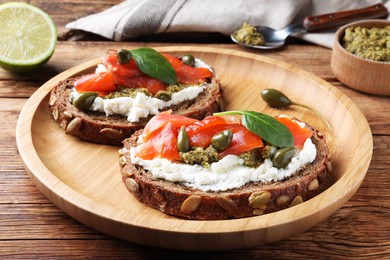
(28, 37)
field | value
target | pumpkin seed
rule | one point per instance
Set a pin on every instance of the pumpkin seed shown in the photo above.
(227, 204)
(190, 204)
(67, 114)
(132, 185)
(122, 151)
(52, 100)
(127, 173)
(313, 185)
(282, 199)
(329, 166)
(64, 123)
(111, 133)
(55, 114)
(297, 200)
(74, 125)
(259, 199)
(258, 212)
(122, 161)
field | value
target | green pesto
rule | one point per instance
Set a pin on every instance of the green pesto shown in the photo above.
(266, 152)
(369, 43)
(205, 157)
(252, 158)
(127, 92)
(164, 95)
(201, 156)
(249, 35)
(255, 157)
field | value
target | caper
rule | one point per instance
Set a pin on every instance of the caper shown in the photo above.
(183, 143)
(188, 59)
(85, 100)
(283, 156)
(124, 56)
(275, 98)
(222, 140)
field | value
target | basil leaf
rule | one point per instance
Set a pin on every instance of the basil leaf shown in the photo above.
(267, 127)
(154, 64)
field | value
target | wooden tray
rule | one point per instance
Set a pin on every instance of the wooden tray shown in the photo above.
(83, 179)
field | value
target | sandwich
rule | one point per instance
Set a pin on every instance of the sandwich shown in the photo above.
(233, 164)
(127, 88)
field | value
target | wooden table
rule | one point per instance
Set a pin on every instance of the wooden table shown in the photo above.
(32, 227)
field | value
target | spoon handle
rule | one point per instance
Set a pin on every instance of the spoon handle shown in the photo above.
(325, 21)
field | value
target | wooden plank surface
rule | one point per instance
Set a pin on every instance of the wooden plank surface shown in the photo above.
(32, 227)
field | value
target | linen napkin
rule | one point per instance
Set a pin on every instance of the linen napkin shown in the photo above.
(135, 18)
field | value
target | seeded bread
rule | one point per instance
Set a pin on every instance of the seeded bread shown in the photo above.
(249, 200)
(99, 128)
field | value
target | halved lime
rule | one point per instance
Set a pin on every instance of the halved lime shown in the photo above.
(28, 37)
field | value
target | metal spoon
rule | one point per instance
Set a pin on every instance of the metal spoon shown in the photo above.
(277, 38)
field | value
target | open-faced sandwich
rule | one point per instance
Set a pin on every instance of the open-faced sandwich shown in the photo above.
(128, 88)
(233, 164)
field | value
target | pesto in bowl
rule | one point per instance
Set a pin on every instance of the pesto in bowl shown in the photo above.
(369, 43)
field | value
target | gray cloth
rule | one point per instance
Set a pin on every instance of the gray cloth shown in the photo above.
(134, 18)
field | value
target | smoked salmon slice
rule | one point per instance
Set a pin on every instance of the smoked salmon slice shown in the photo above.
(200, 133)
(159, 121)
(299, 134)
(161, 144)
(129, 76)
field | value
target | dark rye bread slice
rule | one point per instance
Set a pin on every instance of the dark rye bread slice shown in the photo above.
(251, 199)
(99, 128)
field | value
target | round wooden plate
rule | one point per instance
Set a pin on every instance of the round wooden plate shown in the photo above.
(83, 179)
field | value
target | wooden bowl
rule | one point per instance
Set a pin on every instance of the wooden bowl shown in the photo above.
(365, 75)
(83, 179)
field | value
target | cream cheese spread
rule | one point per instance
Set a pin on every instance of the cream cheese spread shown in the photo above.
(228, 173)
(141, 106)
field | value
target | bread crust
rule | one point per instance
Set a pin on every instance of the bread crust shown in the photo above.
(249, 200)
(99, 128)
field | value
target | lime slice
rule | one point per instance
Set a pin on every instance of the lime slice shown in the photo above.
(28, 37)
